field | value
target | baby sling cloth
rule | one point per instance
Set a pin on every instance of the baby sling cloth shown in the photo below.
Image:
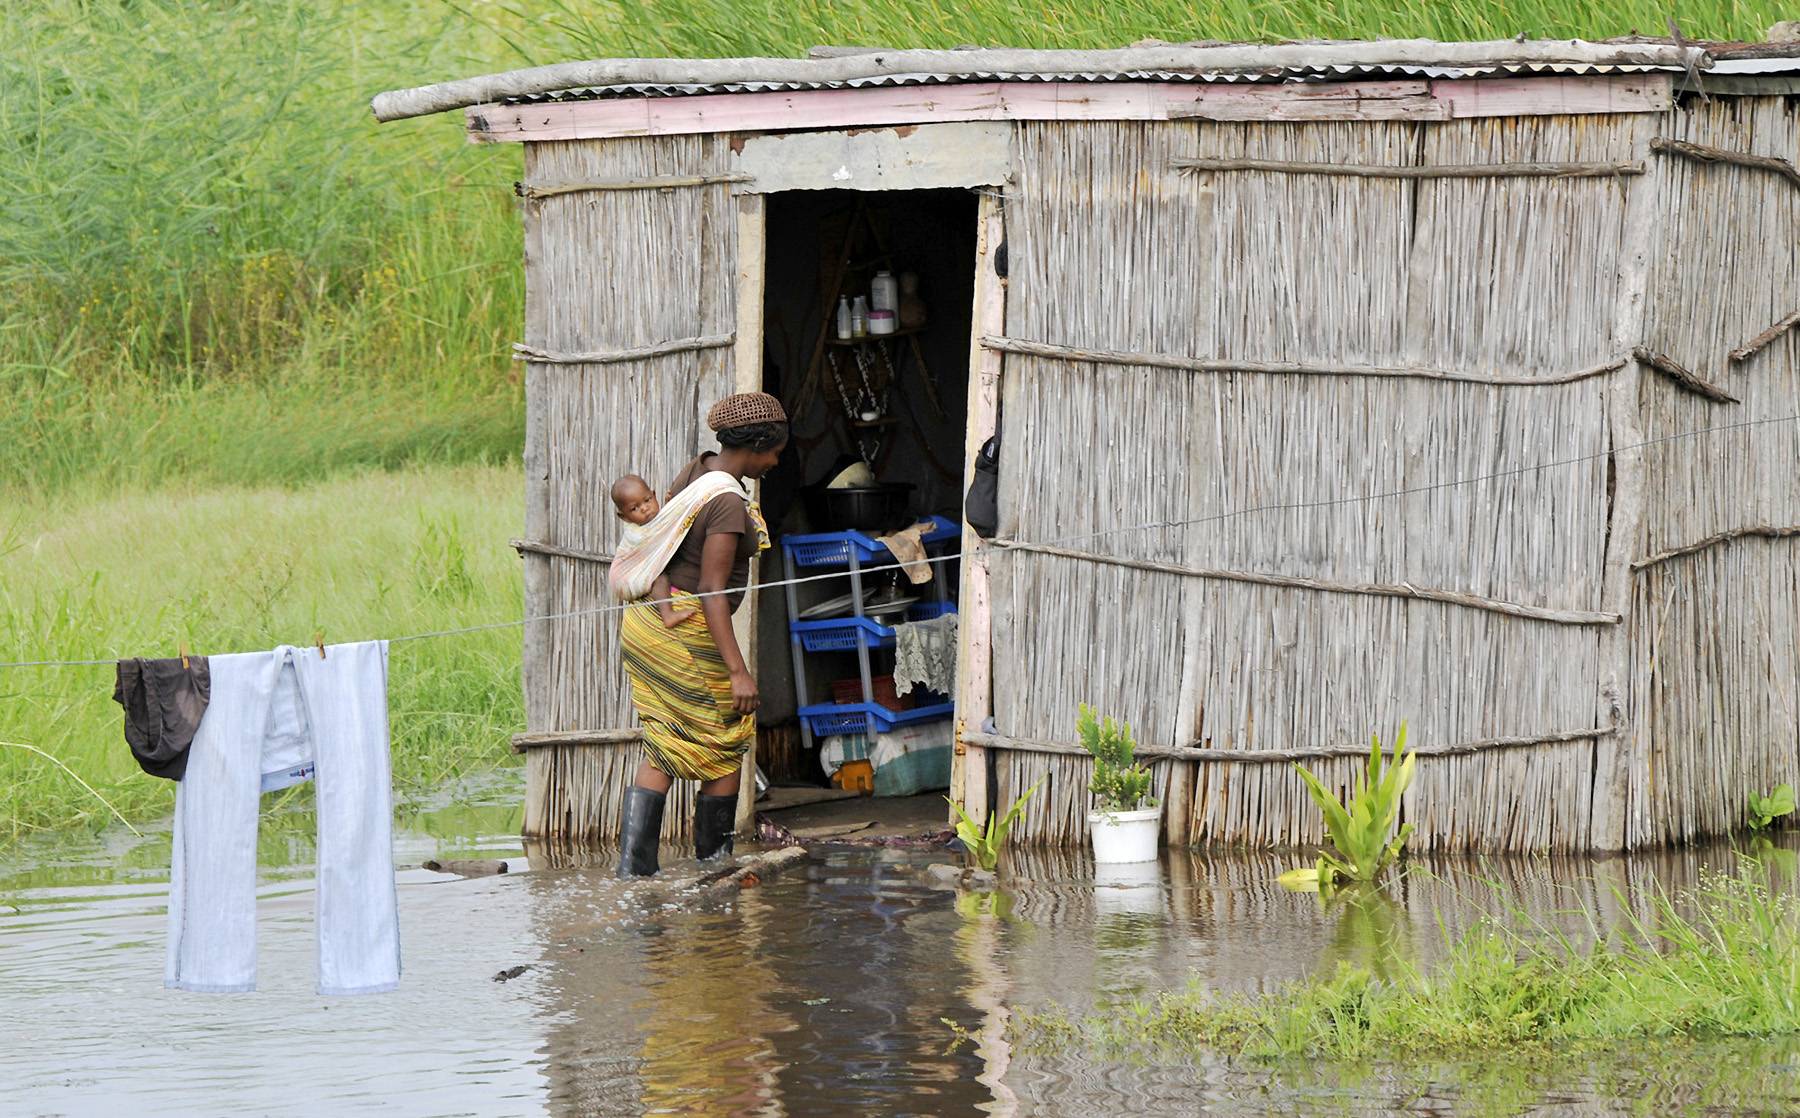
(275, 719)
(645, 549)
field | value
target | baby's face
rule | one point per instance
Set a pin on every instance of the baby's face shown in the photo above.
(639, 506)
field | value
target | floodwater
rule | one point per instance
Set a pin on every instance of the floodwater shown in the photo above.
(825, 991)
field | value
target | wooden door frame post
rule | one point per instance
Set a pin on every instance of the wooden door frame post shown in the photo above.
(974, 660)
(747, 376)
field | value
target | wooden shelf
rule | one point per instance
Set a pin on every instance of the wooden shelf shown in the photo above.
(873, 337)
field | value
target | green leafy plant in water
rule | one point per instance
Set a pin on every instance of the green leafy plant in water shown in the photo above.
(1359, 830)
(1764, 810)
(1120, 784)
(985, 845)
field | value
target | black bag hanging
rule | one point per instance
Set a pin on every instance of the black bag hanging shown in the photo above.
(981, 508)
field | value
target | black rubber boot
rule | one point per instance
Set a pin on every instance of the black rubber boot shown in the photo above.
(714, 817)
(639, 830)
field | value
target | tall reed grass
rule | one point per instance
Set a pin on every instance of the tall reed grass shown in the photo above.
(786, 27)
(215, 265)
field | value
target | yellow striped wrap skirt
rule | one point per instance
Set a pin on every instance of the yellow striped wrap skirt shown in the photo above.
(682, 692)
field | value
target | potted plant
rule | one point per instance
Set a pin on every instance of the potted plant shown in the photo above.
(1125, 822)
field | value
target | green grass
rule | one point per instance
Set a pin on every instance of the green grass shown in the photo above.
(787, 27)
(235, 569)
(1721, 961)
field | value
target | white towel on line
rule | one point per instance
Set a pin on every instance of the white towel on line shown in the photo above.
(274, 719)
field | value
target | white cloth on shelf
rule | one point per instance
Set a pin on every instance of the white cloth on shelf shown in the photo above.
(275, 719)
(925, 655)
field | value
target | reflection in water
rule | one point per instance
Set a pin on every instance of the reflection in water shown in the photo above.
(978, 947)
(1372, 933)
(822, 992)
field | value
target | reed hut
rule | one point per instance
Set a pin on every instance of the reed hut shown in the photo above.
(1455, 382)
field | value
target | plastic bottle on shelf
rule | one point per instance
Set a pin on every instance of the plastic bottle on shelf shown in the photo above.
(845, 328)
(859, 318)
(884, 292)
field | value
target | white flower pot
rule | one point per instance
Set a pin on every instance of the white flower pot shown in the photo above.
(1125, 836)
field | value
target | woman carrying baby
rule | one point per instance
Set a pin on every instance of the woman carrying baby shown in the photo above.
(693, 691)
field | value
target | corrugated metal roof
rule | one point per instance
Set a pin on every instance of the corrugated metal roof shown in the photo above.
(866, 68)
(1273, 75)
(1776, 65)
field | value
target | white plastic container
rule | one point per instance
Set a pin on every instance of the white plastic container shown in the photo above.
(884, 292)
(1125, 836)
(845, 329)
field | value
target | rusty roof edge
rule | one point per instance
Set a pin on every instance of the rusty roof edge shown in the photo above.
(444, 96)
(1331, 73)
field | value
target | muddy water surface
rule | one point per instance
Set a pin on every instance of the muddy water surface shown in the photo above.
(825, 991)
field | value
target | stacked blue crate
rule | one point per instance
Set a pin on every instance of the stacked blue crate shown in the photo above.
(851, 552)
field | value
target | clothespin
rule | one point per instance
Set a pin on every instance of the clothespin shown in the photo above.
(181, 650)
(319, 642)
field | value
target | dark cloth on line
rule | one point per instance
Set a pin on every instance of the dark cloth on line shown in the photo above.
(163, 704)
(724, 513)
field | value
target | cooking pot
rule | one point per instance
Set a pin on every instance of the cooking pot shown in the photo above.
(864, 508)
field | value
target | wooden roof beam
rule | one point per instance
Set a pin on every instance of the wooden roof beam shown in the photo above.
(797, 110)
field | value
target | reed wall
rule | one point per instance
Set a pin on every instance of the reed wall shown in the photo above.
(607, 271)
(1486, 610)
(1715, 633)
(1505, 277)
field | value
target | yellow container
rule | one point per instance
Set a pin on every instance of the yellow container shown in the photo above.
(855, 776)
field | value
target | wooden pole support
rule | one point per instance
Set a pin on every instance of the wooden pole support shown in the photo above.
(523, 352)
(974, 661)
(1701, 153)
(1404, 171)
(1681, 375)
(747, 376)
(1755, 345)
(1299, 582)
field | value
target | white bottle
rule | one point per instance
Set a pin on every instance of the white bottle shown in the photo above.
(884, 292)
(844, 327)
(859, 318)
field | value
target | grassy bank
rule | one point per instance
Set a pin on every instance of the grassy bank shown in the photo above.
(1722, 961)
(232, 569)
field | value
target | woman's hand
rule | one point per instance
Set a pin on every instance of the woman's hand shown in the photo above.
(745, 698)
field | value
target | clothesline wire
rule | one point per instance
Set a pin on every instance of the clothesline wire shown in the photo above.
(1213, 518)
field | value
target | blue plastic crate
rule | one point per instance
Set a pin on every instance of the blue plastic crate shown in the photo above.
(833, 549)
(838, 634)
(826, 719)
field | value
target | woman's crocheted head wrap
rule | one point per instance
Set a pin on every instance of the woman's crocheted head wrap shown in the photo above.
(745, 409)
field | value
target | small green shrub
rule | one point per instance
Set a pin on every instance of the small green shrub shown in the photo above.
(1359, 830)
(1764, 810)
(985, 846)
(1119, 783)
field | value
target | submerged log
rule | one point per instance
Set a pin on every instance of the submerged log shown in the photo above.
(483, 867)
(747, 871)
(751, 870)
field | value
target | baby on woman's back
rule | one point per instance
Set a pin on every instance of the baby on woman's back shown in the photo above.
(638, 506)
